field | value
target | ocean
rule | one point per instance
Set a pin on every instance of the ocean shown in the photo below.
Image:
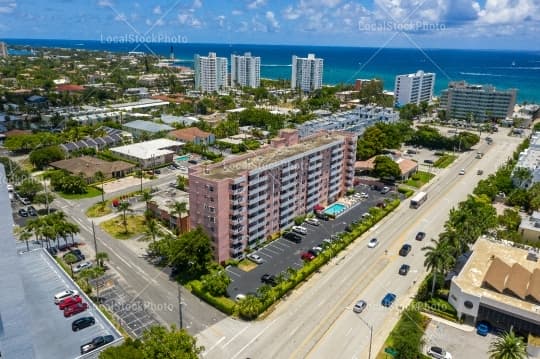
(502, 69)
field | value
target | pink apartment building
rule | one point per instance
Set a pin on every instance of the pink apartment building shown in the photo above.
(242, 201)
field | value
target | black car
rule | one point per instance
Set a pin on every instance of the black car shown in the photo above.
(53, 251)
(405, 250)
(82, 323)
(322, 215)
(32, 211)
(294, 237)
(77, 253)
(269, 279)
(420, 236)
(429, 162)
(96, 343)
(313, 252)
(158, 172)
(23, 212)
(404, 269)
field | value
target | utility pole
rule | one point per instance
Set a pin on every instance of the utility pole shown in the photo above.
(140, 165)
(46, 196)
(180, 305)
(370, 335)
(94, 234)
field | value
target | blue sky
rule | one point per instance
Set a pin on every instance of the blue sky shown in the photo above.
(493, 24)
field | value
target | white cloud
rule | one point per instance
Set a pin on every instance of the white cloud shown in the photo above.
(157, 10)
(120, 17)
(221, 20)
(256, 4)
(273, 22)
(291, 13)
(237, 12)
(7, 7)
(197, 4)
(188, 19)
(104, 3)
(508, 12)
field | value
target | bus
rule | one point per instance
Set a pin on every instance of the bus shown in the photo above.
(418, 199)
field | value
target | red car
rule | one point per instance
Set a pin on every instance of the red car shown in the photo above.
(75, 309)
(307, 256)
(64, 303)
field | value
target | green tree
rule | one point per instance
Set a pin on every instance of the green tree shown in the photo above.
(25, 236)
(124, 207)
(100, 177)
(29, 187)
(41, 157)
(181, 182)
(176, 211)
(101, 257)
(152, 229)
(216, 282)
(438, 259)
(510, 219)
(508, 346)
(146, 197)
(521, 175)
(191, 253)
(130, 348)
(70, 258)
(159, 342)
(385, 167)
(250, 307)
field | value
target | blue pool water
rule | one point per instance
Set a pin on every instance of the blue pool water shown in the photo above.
(335, 209)
(183, 158)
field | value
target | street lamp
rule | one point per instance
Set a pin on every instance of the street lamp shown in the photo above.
(370, 335)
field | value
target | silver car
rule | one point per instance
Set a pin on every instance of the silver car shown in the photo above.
(255, 258)
(359, 306)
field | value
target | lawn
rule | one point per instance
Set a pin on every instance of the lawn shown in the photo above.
(444, 161)
(99, 209)
(246, 265)
(419, 179)
(115, 226)
(90, 193)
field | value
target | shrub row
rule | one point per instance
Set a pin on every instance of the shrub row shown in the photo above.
(226, 305)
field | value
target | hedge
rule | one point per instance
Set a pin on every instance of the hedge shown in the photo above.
(226, 305)
(406, 191)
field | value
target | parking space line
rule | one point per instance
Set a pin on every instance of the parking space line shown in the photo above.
(233, 273)
(269, 250)
(266, 255)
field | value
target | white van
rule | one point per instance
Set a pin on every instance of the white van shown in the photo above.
(64, 294)
(299, 229)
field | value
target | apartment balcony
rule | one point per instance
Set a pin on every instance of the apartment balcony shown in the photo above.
(315, 166)
(258, 189)
(257, 181)
(288, 177)
(337, 152)
(288, 186)
(236, 230)
(315, 159)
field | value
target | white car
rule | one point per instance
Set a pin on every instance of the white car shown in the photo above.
(82, 266)
(360, 306)
(313, 221)
(438, 353)
(462, 172)
(373, 242)
(64, 294)
(255, 258)
(299, 229)
(364, 195)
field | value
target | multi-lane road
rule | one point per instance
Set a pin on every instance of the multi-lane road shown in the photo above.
(316, 320)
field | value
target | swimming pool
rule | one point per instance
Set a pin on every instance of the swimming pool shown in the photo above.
(183, 158)
(335, 209)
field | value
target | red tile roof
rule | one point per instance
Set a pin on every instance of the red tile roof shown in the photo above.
(189, 134)
(69, 87)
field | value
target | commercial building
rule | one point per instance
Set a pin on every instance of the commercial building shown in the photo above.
(89, 166)
(145, 103)
(245, 70)
(149, 154)
(499, 284)
(529, 228)
(241, 201)
(162, 207)
(477, 103)
(3, 49)
(139, 128)
(356, 120)
(210, 73)
(528, 159)
(414, 88)
(307, 73)
(406, 167)
(193, 135)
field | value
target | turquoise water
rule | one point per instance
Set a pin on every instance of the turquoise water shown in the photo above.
(335, 209)
(183, 158)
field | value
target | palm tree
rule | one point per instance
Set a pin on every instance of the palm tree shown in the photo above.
(25, 235)
(438, 259)
(101, 257)
(93, 273)
(152, 229)
(146, 196)
(177, 209)
(508, 346)
(100, 177)
(36, 226)
(124, 207)
(70, 258)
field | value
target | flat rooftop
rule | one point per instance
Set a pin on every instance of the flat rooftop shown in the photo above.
(485, 251)
(145, 150)
(165, 199)
(50, 332)
(267, 156)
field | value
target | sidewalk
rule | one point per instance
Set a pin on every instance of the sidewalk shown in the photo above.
(463, 327)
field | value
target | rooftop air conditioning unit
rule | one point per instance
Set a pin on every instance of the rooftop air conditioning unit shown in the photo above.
(532, 256)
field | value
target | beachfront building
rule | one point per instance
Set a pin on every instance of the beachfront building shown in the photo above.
(499, 284)
(149, 154)
(307, 73)
(3, 49)
(477, 103)
(241, 201)
(356, 120)
(245, 70)
(414, 88)
(210, 73)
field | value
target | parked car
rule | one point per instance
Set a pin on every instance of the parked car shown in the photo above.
(326, 242)
(52, 251)
(359, 306)
(75, 309)
(240, 297)
(23, 212)
(438, 353)
(255, 258)
(96, 343)
(81, 266)
(77, 253)
(32, 211)
(306, 256)
(64, 294)
(313, 252)
(317, 249)
(313, 221)
(429, 162)
(269, 279)
(64, 303)
(300, 229)
(157, 172)
(381, 205)
(388, 299)
(420, 236)
(82, 323)
(480, 172)
(323, 216)
(404, 269)
(462, 172)
(483, 328)
(405, 249)
(25, 201)
(294, 237)
(366, 215)
(385, 190)
(373, 242)
(364, 195)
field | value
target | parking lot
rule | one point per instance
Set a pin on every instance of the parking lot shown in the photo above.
(458, 342)
(282, 254)
(51, 333)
